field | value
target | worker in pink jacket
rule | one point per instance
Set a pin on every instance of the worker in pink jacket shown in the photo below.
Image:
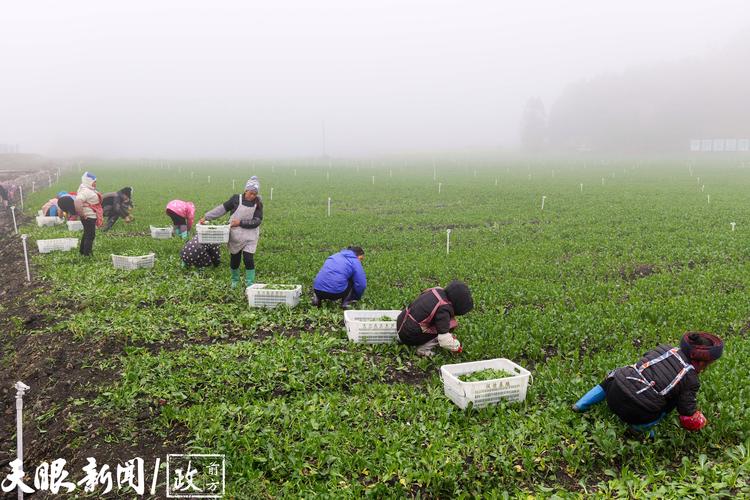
(182, 214)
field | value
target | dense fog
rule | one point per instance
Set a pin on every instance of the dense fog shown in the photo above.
(297, 78)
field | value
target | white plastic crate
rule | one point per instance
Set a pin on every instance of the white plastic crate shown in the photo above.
(259, 295)
(161, 233)
(130, 263)
(40, 213)
(62, 244)
(75, 225)
(368, 327)
(486, 392)
(43, 221)
(212, 234)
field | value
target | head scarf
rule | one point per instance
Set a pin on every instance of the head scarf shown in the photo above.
(692, 345)
(62, 193)
(88, 179)
(460, 296)
(252, 184)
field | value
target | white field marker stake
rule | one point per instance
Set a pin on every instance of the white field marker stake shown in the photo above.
(13, 212)
(20, 191)
(26, 256)
(271, 194)
(329, 206)
(21, 388)
(543, 198)
(232, 184)
(390, 172)
(495, 181)
(708, 197)
(373, 180)
(209, 179)
(581, 185)
(49, 180)
(703, 187)
(732, 224)
(602, 181)
(448, 241)
(440, 187)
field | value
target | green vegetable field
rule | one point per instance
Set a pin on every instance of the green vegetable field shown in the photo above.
(625, 255)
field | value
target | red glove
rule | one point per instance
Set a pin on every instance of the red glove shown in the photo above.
(694, 422)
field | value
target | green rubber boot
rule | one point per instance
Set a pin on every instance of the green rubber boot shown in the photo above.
(184, 235)
(249, 277)
(235, 277)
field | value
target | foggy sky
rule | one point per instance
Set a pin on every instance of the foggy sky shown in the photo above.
(247, 78)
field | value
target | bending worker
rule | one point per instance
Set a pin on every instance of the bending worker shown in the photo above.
(429, 321)
(665, 378)
(342, 277)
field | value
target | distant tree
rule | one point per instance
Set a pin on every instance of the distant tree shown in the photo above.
(534, 125)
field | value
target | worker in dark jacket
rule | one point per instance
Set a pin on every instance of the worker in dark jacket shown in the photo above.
(342, 277)
(429, 321)
(117, 205)
(246, 215)
(665, 378)
(199, 254)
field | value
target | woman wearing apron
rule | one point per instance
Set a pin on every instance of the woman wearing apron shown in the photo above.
(246, 215)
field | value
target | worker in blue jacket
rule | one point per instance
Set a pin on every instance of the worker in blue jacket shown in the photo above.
(342, 277)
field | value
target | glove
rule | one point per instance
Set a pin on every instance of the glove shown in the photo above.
(694, 422)
(449, 342)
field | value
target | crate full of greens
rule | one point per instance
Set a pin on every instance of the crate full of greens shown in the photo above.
(484, 383)
(269, 295)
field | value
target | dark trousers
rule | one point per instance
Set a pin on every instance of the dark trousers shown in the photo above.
(335, 296)
(411, 333)
(235, 258)
(176, 219)
(89, 233)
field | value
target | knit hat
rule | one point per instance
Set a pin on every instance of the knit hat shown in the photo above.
(460, 296)
(702, 346)
(252, 184)
(88, 179)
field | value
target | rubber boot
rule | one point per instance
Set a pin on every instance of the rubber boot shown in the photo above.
(235, 277)
(595, 395)
(184, 235)
(249, 277)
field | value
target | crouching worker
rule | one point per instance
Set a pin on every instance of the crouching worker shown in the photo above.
(666, 377)
(200, 254)
(182, 214)
(342, 277)
(429, 321)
